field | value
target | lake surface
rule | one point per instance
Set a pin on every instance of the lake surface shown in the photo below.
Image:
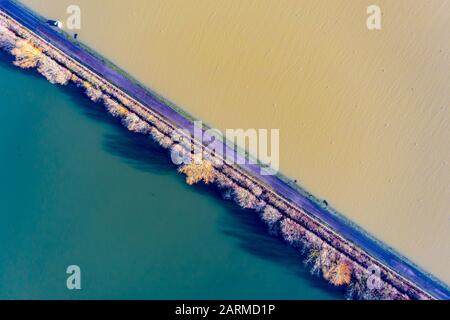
(364, 116)
(77, 188)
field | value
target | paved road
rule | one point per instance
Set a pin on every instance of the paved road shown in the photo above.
(335, 222)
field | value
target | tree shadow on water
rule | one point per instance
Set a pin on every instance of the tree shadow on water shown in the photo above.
(6, 61)
(135, 149)
(138, 151)
(252, 236)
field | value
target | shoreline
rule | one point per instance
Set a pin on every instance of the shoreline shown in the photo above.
(305, 212)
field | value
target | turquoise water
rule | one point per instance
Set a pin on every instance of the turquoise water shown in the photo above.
(77, 188)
